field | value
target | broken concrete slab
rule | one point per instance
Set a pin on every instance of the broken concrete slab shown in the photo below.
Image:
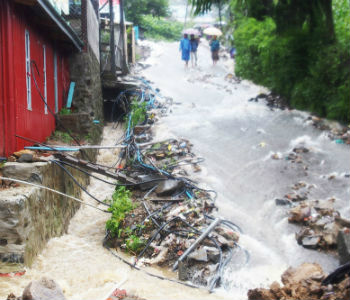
(199, 255)
(168, 187)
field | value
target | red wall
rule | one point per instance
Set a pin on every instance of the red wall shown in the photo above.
(33, 124)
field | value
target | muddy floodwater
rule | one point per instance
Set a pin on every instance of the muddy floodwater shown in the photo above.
(236, 138)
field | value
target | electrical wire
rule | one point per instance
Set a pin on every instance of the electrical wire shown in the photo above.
(77, 183)
(52, 190)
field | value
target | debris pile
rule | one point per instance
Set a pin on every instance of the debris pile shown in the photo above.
(307, 281)
(272, 100)
(320, 222)
(162, 217)
(170, 212)
(231, 78)
(339, 134)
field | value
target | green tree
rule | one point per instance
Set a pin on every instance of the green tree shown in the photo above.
(136, 9)
(299, 49)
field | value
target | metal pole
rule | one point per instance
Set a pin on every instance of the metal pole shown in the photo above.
(194, 245)
(122, 32)
(111, 36)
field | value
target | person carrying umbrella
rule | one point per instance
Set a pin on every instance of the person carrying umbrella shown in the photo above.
(214, 48)
(185, 48)
(194, 45)
(214, 43)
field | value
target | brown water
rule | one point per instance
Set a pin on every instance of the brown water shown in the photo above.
(84, 269)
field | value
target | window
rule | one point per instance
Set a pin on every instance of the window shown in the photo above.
(28, 81)
(55, 80)
(45, 82)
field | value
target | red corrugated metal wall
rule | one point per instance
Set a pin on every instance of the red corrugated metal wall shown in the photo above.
(2, 96)
(34, 123)
(7, 102)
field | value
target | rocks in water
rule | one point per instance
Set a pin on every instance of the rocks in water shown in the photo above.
(43, 289)
(301, 149)
(227, 233)
(303, 282)
(343, 242)
(320, 224)
(340, 134)
(272, 100)
(282, 201)
(299, 213)
(311, 241)
(305, 271)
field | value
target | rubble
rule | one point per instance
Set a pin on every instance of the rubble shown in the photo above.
(303, 282)
(169, 218)
(273, 101)
(321, 224)
(337, 133)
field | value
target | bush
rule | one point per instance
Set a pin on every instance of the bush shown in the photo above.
(121, 204)
(302, 65)
(160, 28)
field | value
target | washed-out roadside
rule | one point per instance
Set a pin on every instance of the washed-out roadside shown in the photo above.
(161, 151)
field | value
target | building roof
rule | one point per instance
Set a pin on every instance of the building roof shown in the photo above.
(42, 13)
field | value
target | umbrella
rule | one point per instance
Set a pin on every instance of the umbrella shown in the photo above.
(212, 31)
(191, 31)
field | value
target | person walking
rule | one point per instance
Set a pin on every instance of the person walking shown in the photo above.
(194, 46)
(214, 48)
(185, 48)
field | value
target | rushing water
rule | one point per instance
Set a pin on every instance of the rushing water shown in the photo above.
(237, 138)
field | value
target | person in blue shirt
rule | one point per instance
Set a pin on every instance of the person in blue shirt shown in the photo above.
(194, 46)
(185, 48)
(214, 48)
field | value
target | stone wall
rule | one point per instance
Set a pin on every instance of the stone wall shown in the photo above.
(30, 216)
(85, 72)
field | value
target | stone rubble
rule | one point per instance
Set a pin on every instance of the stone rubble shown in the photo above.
(303, 282)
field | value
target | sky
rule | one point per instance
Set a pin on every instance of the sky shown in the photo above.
(178, 8)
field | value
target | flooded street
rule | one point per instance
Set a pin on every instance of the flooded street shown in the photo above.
(236, 138)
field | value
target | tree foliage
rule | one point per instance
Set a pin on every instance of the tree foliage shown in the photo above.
(297, 48)
(136, 9)
(160, 28)
(203, 6)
